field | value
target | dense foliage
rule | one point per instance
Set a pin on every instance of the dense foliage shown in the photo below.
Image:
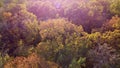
(59, 33)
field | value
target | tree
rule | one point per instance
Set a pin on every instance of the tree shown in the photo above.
(19, 26)
(32, 61)
(112, 38)
(112, 24)
(4, 59)
(61, 41)
(44, 10)
(80, 63)
(102, 56)
(114, 7)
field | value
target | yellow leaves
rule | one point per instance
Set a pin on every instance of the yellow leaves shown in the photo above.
(94, 36)
(42, 33)
(91, 13)
(20, 42)
(111, 37)
(114, 7)
(53, 65)
(4, 59)
(79, 29)
(1, 4)
(42, 47)
(0, 36)
(31, 50)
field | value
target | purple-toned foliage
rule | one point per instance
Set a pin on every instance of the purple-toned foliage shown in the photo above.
(102, 56)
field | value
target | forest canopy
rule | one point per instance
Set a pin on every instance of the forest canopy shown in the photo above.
(59, 33)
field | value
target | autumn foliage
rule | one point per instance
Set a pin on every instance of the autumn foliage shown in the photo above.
(60, 34)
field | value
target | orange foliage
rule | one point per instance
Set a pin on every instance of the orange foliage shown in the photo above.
(7, 14)
(32, 61)
(111, 24)
(114, 20)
